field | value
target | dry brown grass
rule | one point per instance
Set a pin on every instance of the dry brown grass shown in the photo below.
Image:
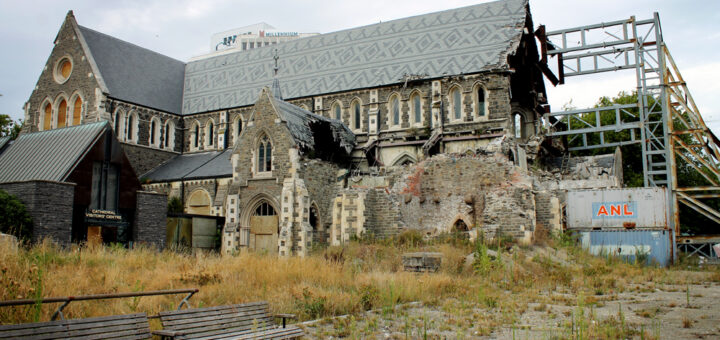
(369, 276)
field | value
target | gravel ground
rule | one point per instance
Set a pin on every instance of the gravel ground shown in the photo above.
(656, 311)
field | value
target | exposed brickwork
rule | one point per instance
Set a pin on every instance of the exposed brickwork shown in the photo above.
(547, 211)
(150, 219)
(50, 204)
(485, 191)
(321, 182)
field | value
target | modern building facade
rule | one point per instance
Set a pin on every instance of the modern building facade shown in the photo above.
(253, 36)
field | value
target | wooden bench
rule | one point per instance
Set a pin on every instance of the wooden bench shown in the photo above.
(242, 321)
(131, 326)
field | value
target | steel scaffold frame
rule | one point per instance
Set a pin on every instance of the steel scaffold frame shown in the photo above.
(665, 117)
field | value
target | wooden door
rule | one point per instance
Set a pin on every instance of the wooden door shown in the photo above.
(264, 234)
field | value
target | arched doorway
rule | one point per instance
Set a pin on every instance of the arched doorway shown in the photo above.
(264, 228)
(461, 229)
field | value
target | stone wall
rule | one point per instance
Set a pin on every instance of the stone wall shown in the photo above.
(484, 191)
(81, 81)
(50, 204)
(144, 159)
(321, 181)
(548, 212)
(150, 221)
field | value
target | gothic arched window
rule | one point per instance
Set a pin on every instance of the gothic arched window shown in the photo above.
(395, 110)
(456, 103)
(264, 159)
(416, 108)
(356, 115)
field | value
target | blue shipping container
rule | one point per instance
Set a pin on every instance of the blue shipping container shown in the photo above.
(653, 244)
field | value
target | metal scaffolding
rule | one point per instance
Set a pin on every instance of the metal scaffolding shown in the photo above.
(665, 120)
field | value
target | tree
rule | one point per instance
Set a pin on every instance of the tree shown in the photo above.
(8, 127)
(14, 219)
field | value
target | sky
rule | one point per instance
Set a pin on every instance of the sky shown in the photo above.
(182, 29)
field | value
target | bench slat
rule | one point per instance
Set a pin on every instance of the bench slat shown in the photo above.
(208, 309)
(213, 316)
(226, 328)
(278, 333)
(225, 325)
(132, 326)
(246, 321)
(230, 334)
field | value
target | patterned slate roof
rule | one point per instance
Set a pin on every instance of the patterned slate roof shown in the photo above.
(193, 165)
(136, 74)
(48, 155)
(465, 40)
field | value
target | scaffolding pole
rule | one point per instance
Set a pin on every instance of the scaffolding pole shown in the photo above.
(665, 120)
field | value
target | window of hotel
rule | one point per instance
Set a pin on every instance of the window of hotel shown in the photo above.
(416, 105)
(455, 104)
(264, 159)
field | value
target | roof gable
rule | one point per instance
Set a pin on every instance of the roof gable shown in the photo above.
(48, 155)
(465, 40)
(135, 74)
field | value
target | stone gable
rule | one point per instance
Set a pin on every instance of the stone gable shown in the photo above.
(82, 79)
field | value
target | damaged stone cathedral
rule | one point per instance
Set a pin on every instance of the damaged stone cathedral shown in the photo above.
(425, 123)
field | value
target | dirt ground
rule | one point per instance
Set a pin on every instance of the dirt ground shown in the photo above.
(648, 311)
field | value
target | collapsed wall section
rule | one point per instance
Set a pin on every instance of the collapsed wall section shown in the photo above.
(479, 193)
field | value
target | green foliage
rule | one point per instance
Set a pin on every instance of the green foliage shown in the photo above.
(8, 127)
(14, 219)
(175, 205)
(312, 306)
(632, 162)
(482, 264)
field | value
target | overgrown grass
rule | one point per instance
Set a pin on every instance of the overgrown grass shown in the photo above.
(365, 274)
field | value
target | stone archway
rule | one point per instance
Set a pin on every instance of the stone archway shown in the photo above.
(460, 228)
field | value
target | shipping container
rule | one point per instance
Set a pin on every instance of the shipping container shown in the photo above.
(653, 246)
(617, 209)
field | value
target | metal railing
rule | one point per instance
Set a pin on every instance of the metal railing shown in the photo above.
(66, 300)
